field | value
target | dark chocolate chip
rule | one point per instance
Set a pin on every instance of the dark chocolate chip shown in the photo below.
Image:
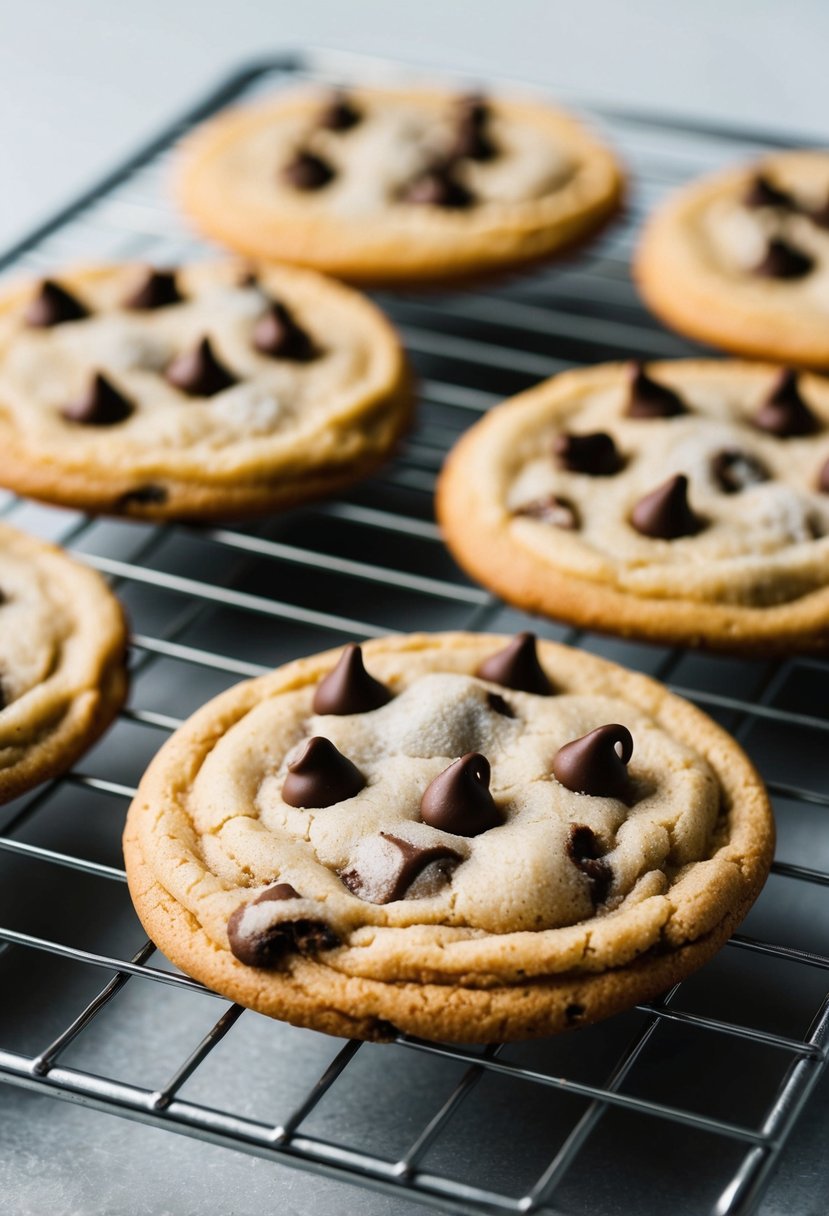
(593, 765)
(157, 289)
(517, 666)
(148, 495)
(100, 405)
(761, 192)
(268, 947)
(665, 513)
(585, 851)
(560, 512)
(574, 1013)
(499, 705)
(278, 334)
(53, 305)
(819, 215)
(595, 454)
(649, 399)
(823, 478)
(308, 172)
(349, 689)
(438, 187)
(471, 139)
(339, 113)
(783, 261)
(459, 801)
(321, 776)
(279, 891)
(400, 866)
(199, 373)
(784, 412)
(734, 470)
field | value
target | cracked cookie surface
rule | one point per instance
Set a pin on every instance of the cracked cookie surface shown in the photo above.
(432, 862)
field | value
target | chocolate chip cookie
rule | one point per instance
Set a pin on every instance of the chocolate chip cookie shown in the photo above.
(62, 661)
(741, 259)
(402, 186)
(459, 836)
(202, 391)
(681, 502)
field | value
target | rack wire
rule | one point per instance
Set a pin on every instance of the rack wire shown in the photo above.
(716, 1072)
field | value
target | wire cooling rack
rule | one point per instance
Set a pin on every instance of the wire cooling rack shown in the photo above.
(682, 1105)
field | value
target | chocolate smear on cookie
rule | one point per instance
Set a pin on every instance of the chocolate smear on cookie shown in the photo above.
(53, 305)
(762, 192)
(665, 513)
(595, 454)
(101, 404)
(389, 868)
(517, 666)
(596, 764)
(650, 399)
(199, 373)
(734, 470)
(552, 509)
(585, 851)
(157, 289)
(308, 171)
(278, 334)
(320, 776)
(349, 689)
(783, 260)
(784, 413)
(459, 801)
(339, 113)
(256, 942)
(438, 187)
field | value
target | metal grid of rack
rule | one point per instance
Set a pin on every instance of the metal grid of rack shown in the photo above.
(715, 1072)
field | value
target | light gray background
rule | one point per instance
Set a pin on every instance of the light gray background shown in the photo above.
(82, 82)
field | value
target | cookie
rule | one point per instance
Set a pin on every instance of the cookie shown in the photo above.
(683, 503)
(458, 836)
(741, 259)
(210, 390)
(62, 661)
(398, 186)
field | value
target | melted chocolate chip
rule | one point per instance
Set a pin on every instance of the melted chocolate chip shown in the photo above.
(761, 192)
(649, 399)
(471, 139)
(53, 305)
(783, 261)
(784, 412)
(499, 706)
(438, 187)
(474, 109)
(399, 870)
(574, 1013)
(268, 946)
(734, 470)
(100, 405)
(560, 512)
(143, 496)
(459, 801)
(157, 289)
(665, 513)
(593, 765)
(339, 113)
(819, 215)
(199, 373)
(278, 334)
(349, 689)
(517, 666)
(595, 454)
(584, 850)
(308, 172)
(321, 776)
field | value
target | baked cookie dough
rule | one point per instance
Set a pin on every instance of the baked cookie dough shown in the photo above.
(62, 661)
(209, 390)
(683, 503)
(400, 186)
(741, 259)
(453, 835)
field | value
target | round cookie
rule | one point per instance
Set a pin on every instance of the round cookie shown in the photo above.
(454, 835)
(398, 186)
(741, 259)
(62, 661)
(688, 503)
(211, 390)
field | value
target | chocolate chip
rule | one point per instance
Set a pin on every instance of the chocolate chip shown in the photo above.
(459, 801)
(595, 454)
(584, 850)
(574, 1013)
(593, 765)
(53, 305)
(819, 215)
(734, 470)
(266, 947)
(157, 289)
(474, 109)
(517, 666)
(143, 496)
(560, 512)
(438, 187)
(649, 399)
(761, 192)
(308, 172)
(471, 139)
(823, 478)
(783, 261)
(499, 706)
(398, 869)
(321, 776)
(339, 113)
(349, 689)
(199, 373)
(278, 334)
(100, 405)
(665, 513)
(784, 412)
